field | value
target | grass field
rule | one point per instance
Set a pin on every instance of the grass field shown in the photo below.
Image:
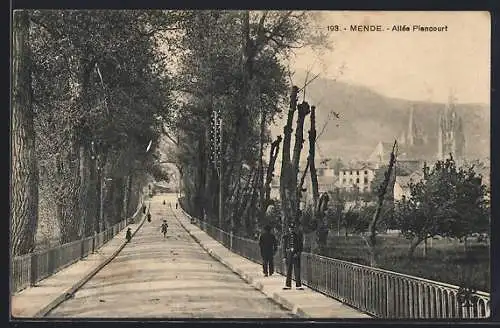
(446, 260)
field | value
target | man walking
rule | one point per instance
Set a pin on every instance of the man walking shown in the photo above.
(164, 228)
(268, 246)
(293, 244)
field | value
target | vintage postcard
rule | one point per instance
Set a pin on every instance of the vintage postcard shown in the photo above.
(212, 164)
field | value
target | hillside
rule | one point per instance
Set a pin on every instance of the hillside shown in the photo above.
(367, 117)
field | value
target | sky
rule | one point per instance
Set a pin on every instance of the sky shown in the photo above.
(419, 66)
(427, 66)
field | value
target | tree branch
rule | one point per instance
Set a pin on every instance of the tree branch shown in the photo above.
(165, 132)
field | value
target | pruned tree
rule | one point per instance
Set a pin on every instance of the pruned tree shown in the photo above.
(287, 186)
(311, 159)
(232, 62)
(371, 239)
(273, 155)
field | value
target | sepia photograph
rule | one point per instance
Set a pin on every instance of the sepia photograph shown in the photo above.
(250, 164)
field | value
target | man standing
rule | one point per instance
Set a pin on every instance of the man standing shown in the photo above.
(293, 244)
(268, 246)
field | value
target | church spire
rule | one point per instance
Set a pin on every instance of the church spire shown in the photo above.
(460, 142)
(411, 131)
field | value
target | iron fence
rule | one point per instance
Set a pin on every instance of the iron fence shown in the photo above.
(381, 293)
(29, 269)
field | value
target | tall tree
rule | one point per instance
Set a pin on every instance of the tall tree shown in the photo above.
(24, 172)
(98, 107)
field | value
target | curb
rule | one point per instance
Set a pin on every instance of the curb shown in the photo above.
(296, 310)
(72, 290)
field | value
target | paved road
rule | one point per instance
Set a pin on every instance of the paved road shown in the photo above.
(167, 278)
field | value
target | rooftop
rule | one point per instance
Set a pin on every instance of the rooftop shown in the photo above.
(357, 166)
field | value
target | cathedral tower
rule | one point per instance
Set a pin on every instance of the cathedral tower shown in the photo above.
(413, 135)
(451, 138)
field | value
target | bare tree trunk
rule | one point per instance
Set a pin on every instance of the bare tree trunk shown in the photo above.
(24, 173)
(275, 145)
(253, 201)
(74, 213)
(261, 207)
(413, 246)
(126, 196)
(234, 198)
(211, 192)
(300, 187)
(286, 183)
(244, 199)
(372, 228)
(98, 189)
(311, 160)
(425, 247)
(84, 189)
(104, 192)
(303, 111)
(200, 178)
(92, 198)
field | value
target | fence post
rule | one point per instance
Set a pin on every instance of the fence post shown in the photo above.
(33, 269)
(93, 243)
(82, 248)
(388, 294)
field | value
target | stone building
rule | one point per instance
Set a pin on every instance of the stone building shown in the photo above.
(358, 176)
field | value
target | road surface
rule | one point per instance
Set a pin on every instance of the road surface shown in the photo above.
(173, 277)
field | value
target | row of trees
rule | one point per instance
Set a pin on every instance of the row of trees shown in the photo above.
(450, 201)
(234, 64)
(90, 91)
(232, 83)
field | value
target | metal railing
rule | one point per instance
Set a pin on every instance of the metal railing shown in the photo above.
(29, 269)
(381, 293)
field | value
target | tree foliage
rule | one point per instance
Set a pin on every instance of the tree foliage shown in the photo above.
(101, 91)
(105, 84)
(449, 202)
(232, 62)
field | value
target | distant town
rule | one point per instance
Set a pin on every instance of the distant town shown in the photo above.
(415, 147)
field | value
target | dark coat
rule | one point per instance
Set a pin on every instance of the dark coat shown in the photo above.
(268, 243)
(298, 242)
